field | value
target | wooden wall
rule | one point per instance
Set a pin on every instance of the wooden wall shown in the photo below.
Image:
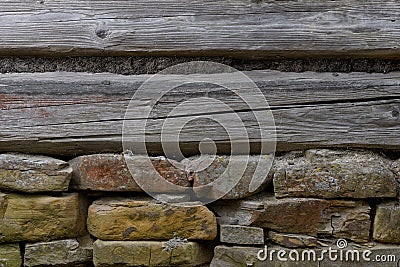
(65, 113)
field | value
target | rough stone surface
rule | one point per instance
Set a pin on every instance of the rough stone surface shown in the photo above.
(396, 168)
(27, 173)
(218, 169)
(326, 173)
(70, 252)
(102, 172)
(41, 218)
(387, 223)
(337, 218)
(241, 235)
(292, 240)
(247, 256)
(129, 219)
(149, 253)
(380, 255)
(109, 172)
(10, 255)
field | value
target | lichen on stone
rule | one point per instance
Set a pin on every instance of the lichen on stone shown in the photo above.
(174, 243)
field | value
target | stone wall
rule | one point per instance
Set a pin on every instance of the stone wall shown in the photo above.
(90, 211)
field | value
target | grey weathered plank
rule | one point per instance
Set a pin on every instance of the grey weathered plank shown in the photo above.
(243, 28)
(79, 113)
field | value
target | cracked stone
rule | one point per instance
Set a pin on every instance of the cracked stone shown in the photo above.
(324, 173)
(33, 174)
(315, 217)
(70, 252)
(149, 253)
(149, 220)
(109, 172)
(10, 255)
(386, 223)
(35, 218)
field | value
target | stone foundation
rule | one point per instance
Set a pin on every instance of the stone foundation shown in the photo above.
(90, 211)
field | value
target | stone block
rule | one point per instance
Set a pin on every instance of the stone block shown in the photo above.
(149, 253)
(109, 172)
(241, 235)
(218, 169)
(32, 218)
(130, 219)
(324, 173)
(387, 223)
(69, 252)
(10, 255)
(33, 174)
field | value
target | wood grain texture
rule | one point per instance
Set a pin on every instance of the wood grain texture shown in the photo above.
(241, 28)
(78, 113)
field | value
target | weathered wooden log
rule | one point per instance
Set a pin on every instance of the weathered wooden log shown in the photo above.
(241, 28)
(77, 113)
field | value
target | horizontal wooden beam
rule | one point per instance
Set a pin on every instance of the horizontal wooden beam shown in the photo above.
(237, 28)
(78, 113)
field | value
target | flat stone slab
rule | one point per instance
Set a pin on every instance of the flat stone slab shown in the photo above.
(241, 235)
(109, 172)
(387, 223)
(32, 218)
(150, 253)
(10, 255)
(292, 240)
(69, 252)
(130, 219)
(33, 174)
(308, 216)
(324, 173)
